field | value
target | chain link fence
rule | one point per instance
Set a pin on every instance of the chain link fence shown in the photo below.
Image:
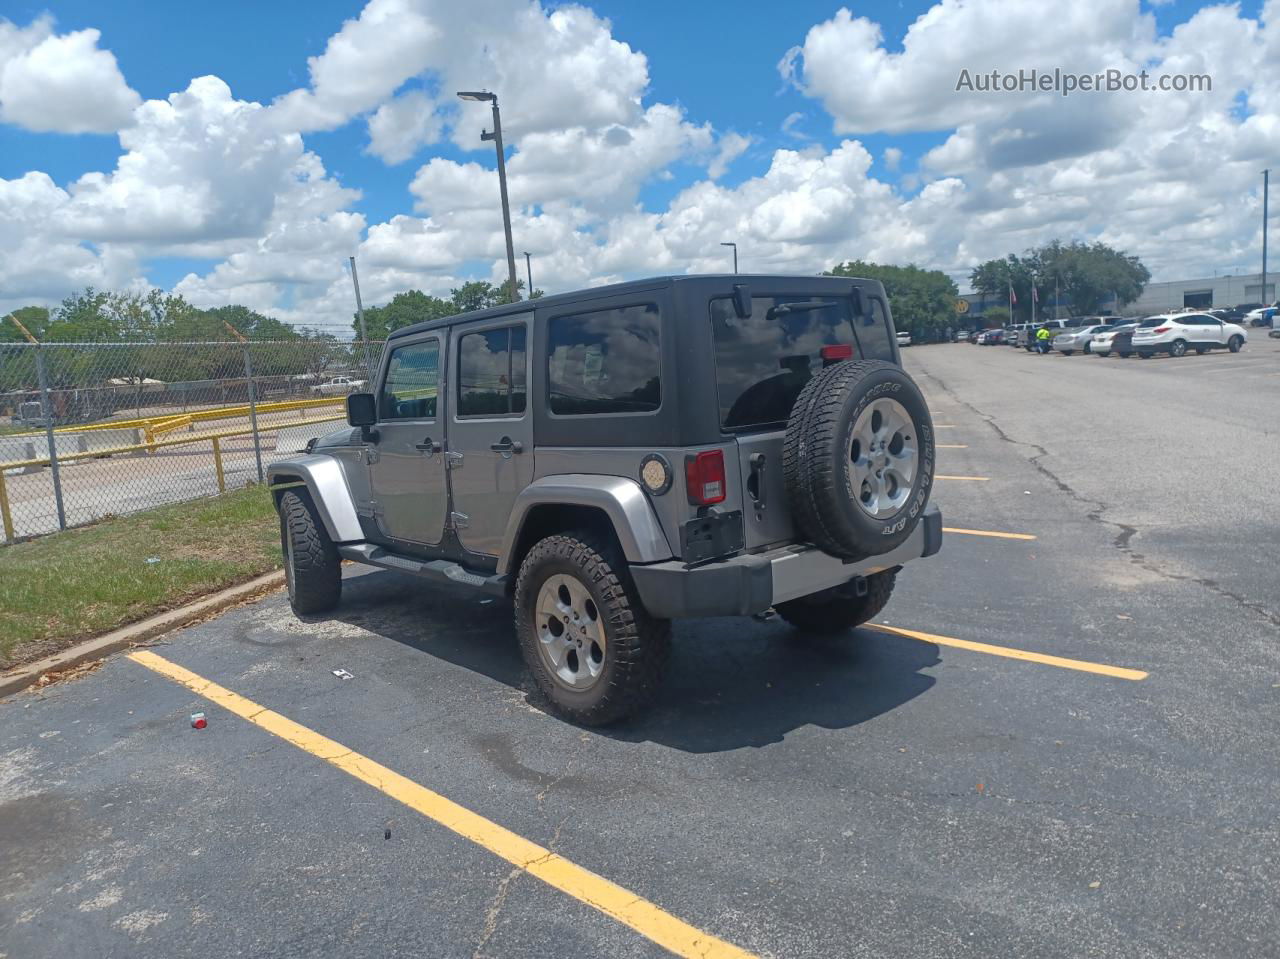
(89, 430)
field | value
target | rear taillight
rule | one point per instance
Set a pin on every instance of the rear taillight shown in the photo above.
(1162, 329)
(837, 351)
(704, 478)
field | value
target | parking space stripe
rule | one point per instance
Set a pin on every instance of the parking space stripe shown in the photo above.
(1081, 665)
(971, 479)
(646, 918)
(986, 532)
(950, 446)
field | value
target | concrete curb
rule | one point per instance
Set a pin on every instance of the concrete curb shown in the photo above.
(21, 677)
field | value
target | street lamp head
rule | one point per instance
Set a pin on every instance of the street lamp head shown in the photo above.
(729, 244)
(480, 95)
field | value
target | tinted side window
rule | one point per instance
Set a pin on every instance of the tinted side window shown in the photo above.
(873, 331)
(491, 372)
(606, 361)
(410, 389)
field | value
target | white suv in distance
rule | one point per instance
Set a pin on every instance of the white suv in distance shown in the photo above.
(1175, 333)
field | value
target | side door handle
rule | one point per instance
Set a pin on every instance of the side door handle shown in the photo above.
(506, 446)
(428, 446)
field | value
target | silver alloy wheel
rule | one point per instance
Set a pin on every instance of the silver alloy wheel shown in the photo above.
(571, 636)
(883, 455)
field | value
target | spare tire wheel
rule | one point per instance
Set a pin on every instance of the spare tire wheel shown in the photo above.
(858, 458)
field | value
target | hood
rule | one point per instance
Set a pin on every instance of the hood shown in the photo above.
(347, 436)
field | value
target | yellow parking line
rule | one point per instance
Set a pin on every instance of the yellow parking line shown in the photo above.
(973, 479)
(626, 907)
(986, 532)
(1116, 672)
(951, 446)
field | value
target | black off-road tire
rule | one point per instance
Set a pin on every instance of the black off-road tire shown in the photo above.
(313, 568)
(638, 645)
(1235, 343)
(838, 613)
(816, 467)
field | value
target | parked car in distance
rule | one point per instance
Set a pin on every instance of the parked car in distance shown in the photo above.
(904, 338)
(338, 386)
(991, 337)
(973, 335)
(1114, 339)
(1078, 340)
(1262, 316)
(1175, 333)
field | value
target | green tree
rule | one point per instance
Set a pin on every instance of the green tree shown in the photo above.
(405, 309)
(34, 318)
(920, 300)
(995, 277)
(1086, 274)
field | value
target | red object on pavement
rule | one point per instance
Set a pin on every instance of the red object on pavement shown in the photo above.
(198, 721)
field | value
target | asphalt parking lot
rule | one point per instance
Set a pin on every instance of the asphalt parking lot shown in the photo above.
(1070, 750)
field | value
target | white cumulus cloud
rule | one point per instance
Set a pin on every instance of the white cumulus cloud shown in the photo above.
(61, 83)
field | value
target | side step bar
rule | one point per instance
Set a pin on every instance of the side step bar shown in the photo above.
(438, 569)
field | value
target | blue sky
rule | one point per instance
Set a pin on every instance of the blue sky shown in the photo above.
(718, 63)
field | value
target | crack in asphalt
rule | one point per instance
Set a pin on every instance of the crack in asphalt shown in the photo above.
(1096, 508)
(491, 914)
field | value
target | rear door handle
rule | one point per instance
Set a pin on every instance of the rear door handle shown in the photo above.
(506, 446)
(427, 446)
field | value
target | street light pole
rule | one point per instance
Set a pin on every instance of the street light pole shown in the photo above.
(735, 255)
(528, 269)
(496, 137)
(1266, 186)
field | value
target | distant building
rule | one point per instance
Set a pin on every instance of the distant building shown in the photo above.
(1220, 291)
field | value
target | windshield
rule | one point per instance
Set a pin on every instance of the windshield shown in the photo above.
(763, 361)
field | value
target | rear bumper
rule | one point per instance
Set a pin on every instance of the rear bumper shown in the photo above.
(751, 583)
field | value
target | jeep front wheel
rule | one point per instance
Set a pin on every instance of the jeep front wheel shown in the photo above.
(312, 567)
(837, 613)
(858, 459)
(593, 650)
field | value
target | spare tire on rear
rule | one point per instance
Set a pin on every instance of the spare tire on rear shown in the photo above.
(858, 459)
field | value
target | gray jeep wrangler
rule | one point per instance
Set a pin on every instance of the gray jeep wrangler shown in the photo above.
(618, 457)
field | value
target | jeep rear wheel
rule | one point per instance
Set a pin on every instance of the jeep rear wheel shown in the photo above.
(835, 612)
(312, 567)
(858, 459)
(593, 650)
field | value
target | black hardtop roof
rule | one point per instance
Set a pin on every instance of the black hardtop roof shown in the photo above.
(719, 281)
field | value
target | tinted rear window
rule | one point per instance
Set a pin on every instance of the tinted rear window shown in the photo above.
(763, 362)
(1148, 324)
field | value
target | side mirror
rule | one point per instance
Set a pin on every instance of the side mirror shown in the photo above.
(362, 409)
(741, 301)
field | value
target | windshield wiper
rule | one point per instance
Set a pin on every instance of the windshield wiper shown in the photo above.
(799, 307)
